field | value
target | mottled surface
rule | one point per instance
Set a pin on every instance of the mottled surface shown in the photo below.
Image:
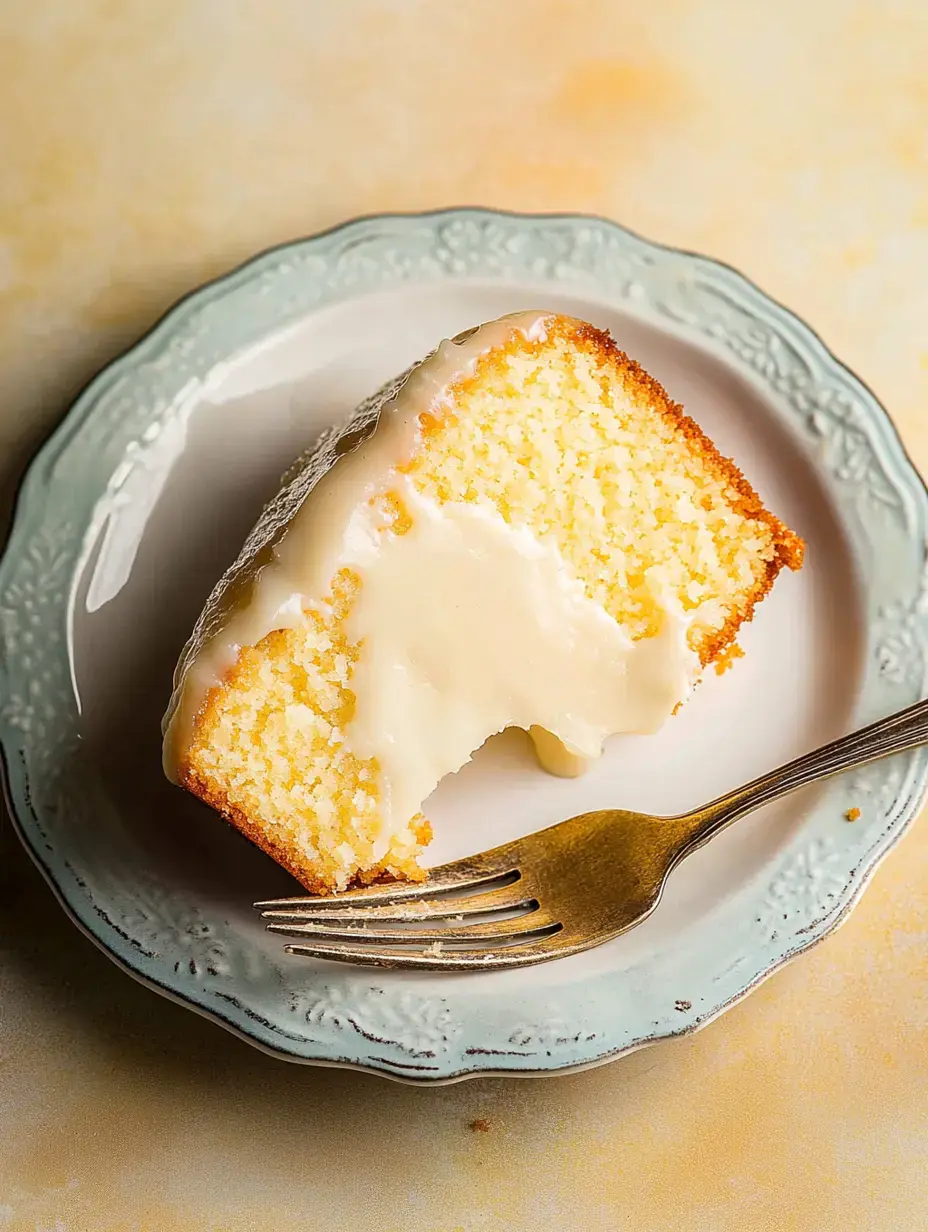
(146, 147)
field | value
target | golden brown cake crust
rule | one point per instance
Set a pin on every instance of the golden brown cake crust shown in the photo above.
(790, 549)
(290, 858)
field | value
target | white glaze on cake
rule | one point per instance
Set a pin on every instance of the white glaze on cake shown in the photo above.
(468, 625)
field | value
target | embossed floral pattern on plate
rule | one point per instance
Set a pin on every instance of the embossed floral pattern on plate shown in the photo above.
(225, 968)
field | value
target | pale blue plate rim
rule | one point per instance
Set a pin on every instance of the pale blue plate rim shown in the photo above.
(475, 242)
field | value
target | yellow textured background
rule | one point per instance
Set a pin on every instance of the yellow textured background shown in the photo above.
(145, 146)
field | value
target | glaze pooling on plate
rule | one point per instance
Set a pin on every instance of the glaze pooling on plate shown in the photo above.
(206, 949)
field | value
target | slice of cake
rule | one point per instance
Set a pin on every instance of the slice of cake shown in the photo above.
(522, 530)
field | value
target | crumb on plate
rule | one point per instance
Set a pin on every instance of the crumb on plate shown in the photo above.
(727, 658)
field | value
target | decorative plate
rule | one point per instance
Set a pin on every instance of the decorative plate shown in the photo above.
(143, 495)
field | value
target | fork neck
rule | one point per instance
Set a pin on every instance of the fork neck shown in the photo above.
(906, 730)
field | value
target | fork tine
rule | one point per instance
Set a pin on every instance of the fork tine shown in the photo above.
(481, 958)
(464, 875)
(504, 930)
(506, 898)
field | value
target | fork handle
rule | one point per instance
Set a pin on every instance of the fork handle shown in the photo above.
(905, 730)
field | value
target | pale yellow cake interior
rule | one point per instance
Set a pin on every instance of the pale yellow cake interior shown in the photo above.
(565, 436)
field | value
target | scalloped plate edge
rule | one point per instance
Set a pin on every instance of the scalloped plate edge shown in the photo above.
(914, 787)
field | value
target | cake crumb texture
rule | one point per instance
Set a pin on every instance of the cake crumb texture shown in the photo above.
(270, 754)
(565, 436)
(574, 439)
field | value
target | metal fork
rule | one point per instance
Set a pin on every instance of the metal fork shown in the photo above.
(558, 891)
